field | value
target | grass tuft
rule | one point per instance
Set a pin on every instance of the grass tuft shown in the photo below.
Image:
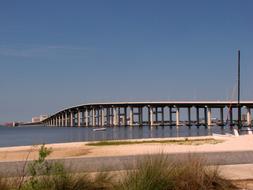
(159, 173)
(185, 141)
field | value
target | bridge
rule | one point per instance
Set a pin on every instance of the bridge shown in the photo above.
(146, 113)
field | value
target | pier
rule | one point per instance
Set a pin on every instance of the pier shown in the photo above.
(166, 113)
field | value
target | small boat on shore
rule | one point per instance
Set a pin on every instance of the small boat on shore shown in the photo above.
(99, 129)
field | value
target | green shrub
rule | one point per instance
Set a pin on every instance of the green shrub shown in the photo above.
(47, 175)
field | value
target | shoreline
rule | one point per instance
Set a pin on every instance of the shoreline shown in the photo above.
(83, 150)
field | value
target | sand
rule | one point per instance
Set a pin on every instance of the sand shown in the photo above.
(81, 149)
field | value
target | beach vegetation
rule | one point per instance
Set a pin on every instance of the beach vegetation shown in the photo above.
(160, 173)
(185, 141)
(149, 172)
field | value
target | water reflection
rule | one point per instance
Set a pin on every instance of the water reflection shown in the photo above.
(37, 135)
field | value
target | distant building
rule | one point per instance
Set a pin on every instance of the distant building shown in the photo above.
(39, 118)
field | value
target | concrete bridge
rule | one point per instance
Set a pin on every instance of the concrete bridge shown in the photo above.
(147, 113)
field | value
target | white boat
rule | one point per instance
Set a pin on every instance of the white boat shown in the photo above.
(99, 129)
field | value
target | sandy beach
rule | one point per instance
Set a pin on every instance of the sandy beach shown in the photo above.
(81, 149)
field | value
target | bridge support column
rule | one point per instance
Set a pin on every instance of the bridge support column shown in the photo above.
(197, 116)
(111, 116)
(209, 116)
(156, 115)
(170, 110)
(151, 113)
(58, 121)
(125, 116)
(119, 117)
(140, 116)
(66, 119)
(148, 115)
(162, 115)
(108, 117)
(71, 119)
(79, 118)
(221, 117)
(249, 116)
(131, 119)
(83, 118)
(189, 116)
(177, 116)
(102, 117)
(231, 115)
(98, 114)
(93, 117)
(62, 119)
(86, 117)
(205, 116)
(114, 116)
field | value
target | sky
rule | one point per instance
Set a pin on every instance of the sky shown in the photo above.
(55, 54)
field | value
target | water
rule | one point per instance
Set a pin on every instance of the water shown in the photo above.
(32, 135)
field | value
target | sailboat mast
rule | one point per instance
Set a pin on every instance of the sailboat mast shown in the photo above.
(239, 94)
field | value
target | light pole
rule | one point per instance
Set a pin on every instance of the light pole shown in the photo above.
(238, 103)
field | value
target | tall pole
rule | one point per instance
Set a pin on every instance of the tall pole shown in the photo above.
(238, 103)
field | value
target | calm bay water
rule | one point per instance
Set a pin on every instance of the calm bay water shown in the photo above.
(19, 136)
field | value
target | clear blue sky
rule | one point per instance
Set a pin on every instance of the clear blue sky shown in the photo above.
(55, 54)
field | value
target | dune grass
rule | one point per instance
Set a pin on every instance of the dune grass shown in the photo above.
(185, 141)
(159, 173)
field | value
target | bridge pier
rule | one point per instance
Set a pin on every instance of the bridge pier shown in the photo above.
(197, 116)
(58, 121)
(151, 113)
(79, 118)
(102, 117)
(114, 116)
(162, 119)
(205, 116)
(189, 116)
(249, 118)
(209, 117)
(98, 117)
(93, 117)
(221, 117)
(66, 119)
(177, 116)
(140, 116)
(86, 117)
(170, 113)
(131, 116)
(156, 115)
(108, 117)
(125, 116)
(118, 116)
(62, 119)
(231, 116)
(71, 119)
